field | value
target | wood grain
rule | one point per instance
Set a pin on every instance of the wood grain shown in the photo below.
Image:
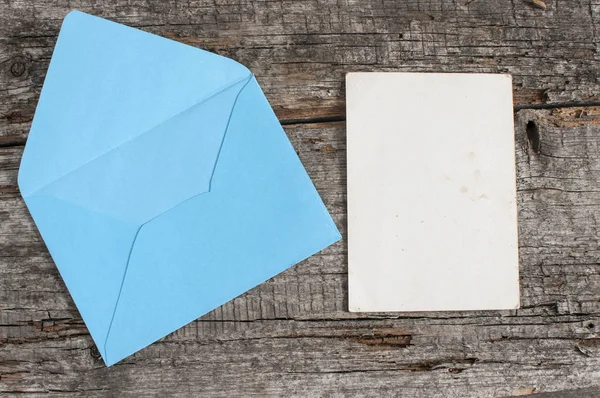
(293, 336)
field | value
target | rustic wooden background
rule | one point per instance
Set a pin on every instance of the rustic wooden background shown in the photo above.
(293, 336)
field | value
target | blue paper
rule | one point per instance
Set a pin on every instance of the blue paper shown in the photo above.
(161, 181)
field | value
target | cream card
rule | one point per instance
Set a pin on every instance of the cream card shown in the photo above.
(432, 214)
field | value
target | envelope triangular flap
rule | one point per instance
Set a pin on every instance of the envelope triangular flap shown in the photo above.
(108, 83)
(154, 171)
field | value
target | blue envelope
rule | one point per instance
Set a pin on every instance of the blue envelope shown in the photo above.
(161, 181)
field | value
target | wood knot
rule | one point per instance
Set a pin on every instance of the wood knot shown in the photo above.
(589, 347)
(538, 4)
(94, 352)
(17, 68)
(533, 135)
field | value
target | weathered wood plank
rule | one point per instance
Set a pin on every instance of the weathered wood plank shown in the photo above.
(300, 51)
(293, 336)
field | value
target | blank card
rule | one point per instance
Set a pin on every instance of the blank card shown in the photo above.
(432, 214)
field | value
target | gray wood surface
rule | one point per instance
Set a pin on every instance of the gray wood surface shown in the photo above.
(293, 336)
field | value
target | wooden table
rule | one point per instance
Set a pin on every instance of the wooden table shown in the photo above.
(293, 336)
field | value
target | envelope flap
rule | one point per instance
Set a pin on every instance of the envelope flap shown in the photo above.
(156, 170)
(108, 83)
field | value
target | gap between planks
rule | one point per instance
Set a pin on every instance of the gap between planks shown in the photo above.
(20, 141)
